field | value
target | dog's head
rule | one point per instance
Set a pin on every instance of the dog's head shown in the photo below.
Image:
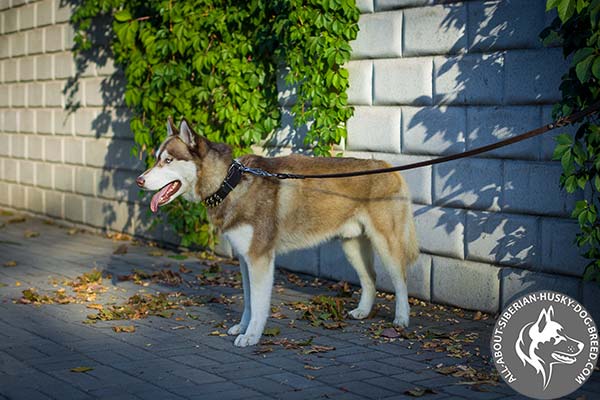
(175, 171)
(544, 343)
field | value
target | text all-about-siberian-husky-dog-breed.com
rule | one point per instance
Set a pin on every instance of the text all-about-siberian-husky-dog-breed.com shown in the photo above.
(263, 217)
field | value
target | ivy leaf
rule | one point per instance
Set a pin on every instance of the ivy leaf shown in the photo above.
(582, 54)
(565, 9)
(596, 67)
(123, 16)
(583, 69)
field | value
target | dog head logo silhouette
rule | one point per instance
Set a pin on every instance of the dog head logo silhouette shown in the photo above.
(543, 344)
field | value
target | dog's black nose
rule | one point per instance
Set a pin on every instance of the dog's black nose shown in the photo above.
(140, 181)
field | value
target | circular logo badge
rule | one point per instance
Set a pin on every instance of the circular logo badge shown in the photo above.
(545, 345)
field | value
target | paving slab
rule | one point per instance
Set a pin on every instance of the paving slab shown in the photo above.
(180, 349)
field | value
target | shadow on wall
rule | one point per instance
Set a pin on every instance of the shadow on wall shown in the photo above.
(119, 206)
(509, 82)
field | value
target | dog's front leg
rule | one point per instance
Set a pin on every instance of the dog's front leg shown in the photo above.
(241, 327)
(260, 273)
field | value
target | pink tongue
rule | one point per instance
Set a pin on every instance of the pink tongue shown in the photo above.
(157, 196)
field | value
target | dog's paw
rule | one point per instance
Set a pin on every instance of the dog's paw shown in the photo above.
(246, 340)
(236, 329)
(359, 313)
(401, 321)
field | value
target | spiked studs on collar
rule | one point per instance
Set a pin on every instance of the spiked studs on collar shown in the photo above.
(233, 178)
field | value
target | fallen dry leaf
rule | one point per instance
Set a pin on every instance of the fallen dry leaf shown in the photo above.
(419, 392)
(312, 367)
(122, 249)
(31, 234)
(184, 270)
(272, 331)
(124, 328)
(155, 253)
(477, 316)
(16, 220)
(10, 263)
(82, 369)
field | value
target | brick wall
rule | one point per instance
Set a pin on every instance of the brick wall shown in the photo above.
(427, 79)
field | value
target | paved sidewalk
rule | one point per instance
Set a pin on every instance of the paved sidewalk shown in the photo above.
(60, 341)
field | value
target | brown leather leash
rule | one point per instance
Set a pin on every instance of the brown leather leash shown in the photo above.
(563, 121)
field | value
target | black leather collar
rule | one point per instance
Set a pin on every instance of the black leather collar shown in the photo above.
(234, 176)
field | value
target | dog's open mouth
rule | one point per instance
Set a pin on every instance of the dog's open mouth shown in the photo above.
(164, 195)
(563, 358)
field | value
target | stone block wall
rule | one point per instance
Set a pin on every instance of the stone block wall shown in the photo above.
(428, 78)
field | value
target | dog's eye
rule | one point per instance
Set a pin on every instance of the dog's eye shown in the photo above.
(168, 160)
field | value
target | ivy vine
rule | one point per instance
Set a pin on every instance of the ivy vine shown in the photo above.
(577, 30)
(216, 63)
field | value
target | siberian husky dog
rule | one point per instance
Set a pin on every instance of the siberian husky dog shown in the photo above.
(265, 216)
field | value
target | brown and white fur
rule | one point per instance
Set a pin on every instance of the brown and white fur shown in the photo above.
(263, 217)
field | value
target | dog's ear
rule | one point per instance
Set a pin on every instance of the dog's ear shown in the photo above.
(187, 134)
(544, 318)
(171, 129)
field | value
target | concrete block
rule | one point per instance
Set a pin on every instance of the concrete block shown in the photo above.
(53, 94)
(45, 121)
(533, 188)
(440, 230)
(380, 36)
(375, 129)
(591, 294)
(385, 5)
(11, 120)
(35, 41)
(534, 75)
(85, 181)
(107, 68)
(433, 130)
(112, 214)
(304, 261)
(64, 65)
(11, 70)
(11, 20)
(518, 282)
(27, 17)
(469, 183)
(93, 92)
(53, 149)
(117, 185)
(403, 81)
(84, 122)
(62, 11)
(489, 125)
(434, 30)
(333, 263)
(286, 93)
(45, 12)
(35, 147)
(18, 95)
(418, 278)
(18, 197)
(451, 279)
(73, 150)
(4, 193)
(5, 144)
(44, 67)
(469, 79)
(560, 254)
(119, 124)
(53, 38)
(11, 170)
(18, 44)
(35, 200)
(18, 145)
(26, 172)
(43, 175)
(35, 95)
(365, 6)
(27, 69)
(5, 97)
(5, 43)
(503, 239)
(360, 91)
(418, 180)
(27, 124)
(63, 177)
(54, 204)
(64, 122)
(499, 25)
(74, 207)
(68, 37)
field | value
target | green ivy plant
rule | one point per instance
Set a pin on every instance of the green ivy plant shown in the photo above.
(577, 30)
(216, 63)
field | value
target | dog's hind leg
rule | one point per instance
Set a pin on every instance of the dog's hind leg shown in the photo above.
(359, 253)
(241, 327)
(260, 273)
